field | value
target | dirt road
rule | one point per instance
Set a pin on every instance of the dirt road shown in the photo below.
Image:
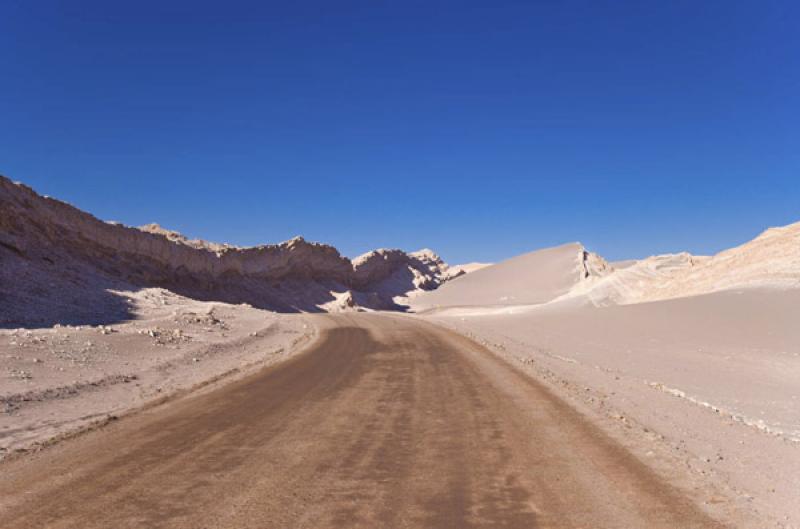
(385, 422)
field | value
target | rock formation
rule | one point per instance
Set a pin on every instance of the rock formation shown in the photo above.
(54, 254)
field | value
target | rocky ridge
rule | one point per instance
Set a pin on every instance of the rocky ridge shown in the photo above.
(54, 254)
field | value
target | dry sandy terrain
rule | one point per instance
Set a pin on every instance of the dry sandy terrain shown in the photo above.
(468, 268)
(710, 370)
(384, 422)
(59, 380)
(660, 392)
(699, 375)
(512, 281)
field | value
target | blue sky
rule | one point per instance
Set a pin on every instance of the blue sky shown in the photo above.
(479, 129)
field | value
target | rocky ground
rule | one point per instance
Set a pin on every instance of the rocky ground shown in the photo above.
(59, 380)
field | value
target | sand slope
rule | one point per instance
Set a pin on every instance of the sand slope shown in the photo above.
(700, 355)
(712, 377)
(467, 268)
(770, 260)
(536, 277)
(570, 273)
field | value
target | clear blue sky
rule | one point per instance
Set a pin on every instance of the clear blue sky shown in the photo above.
(479, 129)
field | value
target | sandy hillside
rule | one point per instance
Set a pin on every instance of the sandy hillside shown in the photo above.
(569, 272)
(536, 277)
(469, 267)
(698, 354)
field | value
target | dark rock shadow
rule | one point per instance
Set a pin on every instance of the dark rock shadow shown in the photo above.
(40, 292)
(41, 289)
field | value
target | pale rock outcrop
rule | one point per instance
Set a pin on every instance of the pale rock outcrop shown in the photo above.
(771, 260)
(393, 275)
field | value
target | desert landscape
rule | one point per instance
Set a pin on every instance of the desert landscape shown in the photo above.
(204, 384)
(399, 265)
(698, 353)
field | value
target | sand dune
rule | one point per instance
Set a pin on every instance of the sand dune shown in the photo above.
(569, 272)
(467, 268)
(698, 354)
(536, 277)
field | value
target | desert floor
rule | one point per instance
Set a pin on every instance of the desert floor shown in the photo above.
(383, 421)
(64, 379)
(710, 379)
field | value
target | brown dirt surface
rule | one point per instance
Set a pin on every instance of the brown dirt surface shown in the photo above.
(383, 422)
